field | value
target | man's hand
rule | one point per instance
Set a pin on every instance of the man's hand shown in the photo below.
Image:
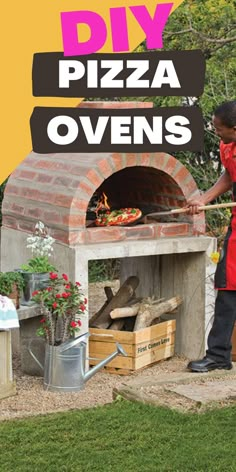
(193, 205)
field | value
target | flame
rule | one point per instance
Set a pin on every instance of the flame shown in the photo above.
(102, 203)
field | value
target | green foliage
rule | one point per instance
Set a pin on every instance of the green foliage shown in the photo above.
(8, 280)
(104, 269)
(38, 264)
(121, 436)
(207, 25)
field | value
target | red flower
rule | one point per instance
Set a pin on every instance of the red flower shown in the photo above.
(49, 289)
(67, 286)
(58, 295)
(78, 283)
(65, 294)
(85, 301)
(36, 292)
(82, 307)
(53, 276)
(42, 320)
(79, 323)
(65, 277)
(54, 305)
(73, 324)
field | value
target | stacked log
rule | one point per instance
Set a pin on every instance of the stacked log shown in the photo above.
(124, 305)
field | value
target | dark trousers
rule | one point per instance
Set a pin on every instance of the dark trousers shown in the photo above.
(219, 339)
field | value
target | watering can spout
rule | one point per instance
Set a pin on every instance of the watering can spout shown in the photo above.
(96, 368)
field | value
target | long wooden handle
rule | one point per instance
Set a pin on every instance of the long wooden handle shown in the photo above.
(205, 207)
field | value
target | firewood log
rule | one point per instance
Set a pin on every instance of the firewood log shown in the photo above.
(148, 312)
(117, 324)
(125, 311)
(109, 295)
(123, 295)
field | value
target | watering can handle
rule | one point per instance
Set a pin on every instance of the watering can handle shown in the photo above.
(34, 357)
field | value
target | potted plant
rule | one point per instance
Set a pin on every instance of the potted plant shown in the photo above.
(36, 271)
(61, 303)
(11, 286)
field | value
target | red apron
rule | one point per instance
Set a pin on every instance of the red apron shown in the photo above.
(225, 277)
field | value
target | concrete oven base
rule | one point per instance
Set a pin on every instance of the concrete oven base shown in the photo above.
(166, 267)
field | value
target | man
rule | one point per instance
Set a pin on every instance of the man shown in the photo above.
(218, 354)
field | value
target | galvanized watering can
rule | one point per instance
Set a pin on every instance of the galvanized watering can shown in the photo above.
(64, 366)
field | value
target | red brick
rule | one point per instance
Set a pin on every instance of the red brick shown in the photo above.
(62, 181)
(9, 222)
(86, 188)
(11, 190)
(199, 223)
(27, 175)
(29, 193)
(131, 159)
(100, 235)
(118, 105)
(15, 173)
(76, 221)
(158, 160)
(52, 165)
(145, 159)
(181, 175)
(80, 204)
(77, 237)
(30, 160)
(170, 166)
(140, 232)
(51, 217)
(34, 212)
(44, 178)
(60, 235)
(17, 209)
(61, 200)
(28, 226)
(173, 229)
(189, 187)
(117, 160)
(199, 229)
(105, 168)
(94, 177)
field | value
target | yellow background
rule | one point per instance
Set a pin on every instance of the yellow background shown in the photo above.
(28, 27)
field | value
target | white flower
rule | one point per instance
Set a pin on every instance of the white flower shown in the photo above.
(40, 243)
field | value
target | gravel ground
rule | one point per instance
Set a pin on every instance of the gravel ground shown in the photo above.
(31, 399)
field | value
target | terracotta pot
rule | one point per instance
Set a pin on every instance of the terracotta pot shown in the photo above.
(15, 297)
(234, 344)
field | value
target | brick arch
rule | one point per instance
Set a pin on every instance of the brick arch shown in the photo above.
(57, 188)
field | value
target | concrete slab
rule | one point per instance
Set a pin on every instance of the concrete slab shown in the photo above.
(208, 391)
(181, 389)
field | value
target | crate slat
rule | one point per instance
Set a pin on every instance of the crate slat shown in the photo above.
(7, 386)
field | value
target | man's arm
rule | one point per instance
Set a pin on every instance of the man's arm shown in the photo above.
(223, 184)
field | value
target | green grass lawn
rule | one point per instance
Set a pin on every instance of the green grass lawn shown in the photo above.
(121, 437)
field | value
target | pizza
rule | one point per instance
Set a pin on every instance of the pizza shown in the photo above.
(124, 216)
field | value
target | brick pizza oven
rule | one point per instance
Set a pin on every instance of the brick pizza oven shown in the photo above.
(168, 255)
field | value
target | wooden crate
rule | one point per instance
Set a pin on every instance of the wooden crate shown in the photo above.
(143, 347)
(7, 386)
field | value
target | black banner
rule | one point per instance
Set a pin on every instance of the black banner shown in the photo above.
(171, 129)
(162, 73)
